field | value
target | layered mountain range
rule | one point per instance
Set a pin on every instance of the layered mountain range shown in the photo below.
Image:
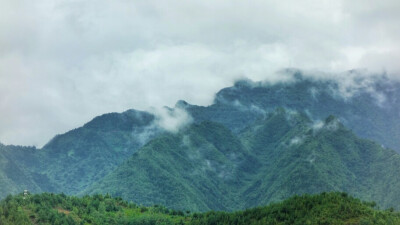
(206, 166)
(257, 143)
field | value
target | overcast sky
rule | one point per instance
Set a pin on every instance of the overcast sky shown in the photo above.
(64, 62)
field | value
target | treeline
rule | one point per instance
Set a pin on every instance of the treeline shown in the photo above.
(325, 208)
(48, 208)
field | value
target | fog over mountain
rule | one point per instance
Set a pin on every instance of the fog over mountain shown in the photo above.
(64, 62)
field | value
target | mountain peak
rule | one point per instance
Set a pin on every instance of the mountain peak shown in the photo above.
(245, 82)
(181, 104)
(331, 119)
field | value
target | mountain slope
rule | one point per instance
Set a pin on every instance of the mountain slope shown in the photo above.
(325, 157)
(73, 161)
(14, 177)
(84, 155)
(207, 167)
(368, 106)
(194, 170)
(312, 157)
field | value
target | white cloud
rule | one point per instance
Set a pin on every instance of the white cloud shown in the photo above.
(64, 62)
(171, 120)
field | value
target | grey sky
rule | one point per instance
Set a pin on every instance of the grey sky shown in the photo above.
(64, 62)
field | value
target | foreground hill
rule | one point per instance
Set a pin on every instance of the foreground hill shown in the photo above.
(326, 208)
(208, 167)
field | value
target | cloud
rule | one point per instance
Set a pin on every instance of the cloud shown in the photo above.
(171, 120)
(296, 140)
(64, 62)
(144, 134)
(349, 84)
(318, 125)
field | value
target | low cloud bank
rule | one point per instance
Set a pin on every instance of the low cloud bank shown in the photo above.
(86, 58)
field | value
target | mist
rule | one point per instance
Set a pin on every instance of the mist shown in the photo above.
(63, 63)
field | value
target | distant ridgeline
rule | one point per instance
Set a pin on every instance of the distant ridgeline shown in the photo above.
(257, 143)
(326, 208)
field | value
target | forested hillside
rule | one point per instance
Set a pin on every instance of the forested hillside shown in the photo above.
(15, 170)
(367, 105)
(82, 156)
(72, 161)
(258, 142)
(206, 166)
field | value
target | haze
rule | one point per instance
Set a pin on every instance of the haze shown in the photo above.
(64, 62)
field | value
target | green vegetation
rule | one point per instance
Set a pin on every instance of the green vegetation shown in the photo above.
(82, 156)
(326, 208)
(207, 167)
(248, 155)
(48, 208)
(195, 170)
(369, 106)
(72, 161)
(14, 175)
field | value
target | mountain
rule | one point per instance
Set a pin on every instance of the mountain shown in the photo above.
(194, 169)
(326, 208)
(206, 166)
(76, 160)
(72, 161)
(367, 105)
(14, 177)
(84, 155)
(316, 157)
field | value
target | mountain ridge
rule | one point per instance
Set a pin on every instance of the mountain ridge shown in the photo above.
(281, 156)
(73, 161)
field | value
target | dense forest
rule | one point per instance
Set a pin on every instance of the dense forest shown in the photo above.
(207, 167)
(257, 144)
(324, 208)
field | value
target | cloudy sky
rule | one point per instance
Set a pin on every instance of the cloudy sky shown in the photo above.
(64, 62)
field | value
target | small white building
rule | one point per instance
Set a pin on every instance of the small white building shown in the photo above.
(25, 193)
